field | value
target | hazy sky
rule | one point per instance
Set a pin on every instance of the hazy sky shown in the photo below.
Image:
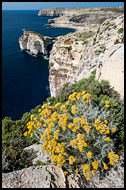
(44, 5)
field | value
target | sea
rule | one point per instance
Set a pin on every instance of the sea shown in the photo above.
(24, 77)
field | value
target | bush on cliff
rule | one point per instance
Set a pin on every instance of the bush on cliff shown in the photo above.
(99, 91)
(78, 134)
(13, 142)
(14, 158)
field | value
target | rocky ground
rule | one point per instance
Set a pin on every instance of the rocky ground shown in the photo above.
(49, 176)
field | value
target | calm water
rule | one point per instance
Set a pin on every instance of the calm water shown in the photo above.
(24, 77)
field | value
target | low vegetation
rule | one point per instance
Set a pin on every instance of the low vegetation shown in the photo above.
(38, 34)
(101, 103)
(83, 36)
(69, 48)
(120, 31)
(78, 134)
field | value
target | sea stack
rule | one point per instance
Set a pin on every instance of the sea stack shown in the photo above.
(35, 43)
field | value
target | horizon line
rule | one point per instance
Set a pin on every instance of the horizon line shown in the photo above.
(56, 7)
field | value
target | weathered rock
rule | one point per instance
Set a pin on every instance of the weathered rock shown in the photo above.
(78, 11)
(82, 59)
(53, 177)
(34, 42)
(35, 177)
(41, 156)
(64, 59)
(113, 70)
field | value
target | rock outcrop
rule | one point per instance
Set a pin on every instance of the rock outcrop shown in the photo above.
(39, 155)
(50, 176)
(35, 43)
(35, 177)
(72, 62)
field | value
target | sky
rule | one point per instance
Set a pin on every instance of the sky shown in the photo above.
(45, 5)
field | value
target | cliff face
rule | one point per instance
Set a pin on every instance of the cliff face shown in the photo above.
(34, 42)
(78, 11)
(72, 59)
(63, 60)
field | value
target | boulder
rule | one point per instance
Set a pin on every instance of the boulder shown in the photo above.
(35, 177)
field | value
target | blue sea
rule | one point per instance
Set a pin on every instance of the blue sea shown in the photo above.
(24, 77)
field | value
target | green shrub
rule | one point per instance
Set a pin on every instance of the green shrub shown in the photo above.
(13, 141)
(99, 91)
(69, 48)
(120, 30)
(50, 65)
(40, 163)
(94, 41)
(14, 158)
(116, 41)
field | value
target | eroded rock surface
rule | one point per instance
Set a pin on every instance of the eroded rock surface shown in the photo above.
(34, 42)
(39, 155)
(35, 177)
(77, 59)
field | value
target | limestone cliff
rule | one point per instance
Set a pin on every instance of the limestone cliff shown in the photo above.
(34, 42)
(80, 18)
(78, 11)
(73, 58)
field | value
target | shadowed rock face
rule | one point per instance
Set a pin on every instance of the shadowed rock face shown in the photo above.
(35, 43)
(91, 18)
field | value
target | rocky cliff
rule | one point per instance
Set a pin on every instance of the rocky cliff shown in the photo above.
(34, 42)
(73, 57)
(78, 11)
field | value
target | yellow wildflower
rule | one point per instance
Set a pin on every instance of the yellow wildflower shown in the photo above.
(113, 129)
(107, 139)
(113, 158)
(71, 160)
(25, 134)
(95, 164)
(73, 143)
(45, 105)
(57, 104)
(39, 110)
(76, 170)
(83, 92)
(93, 172)
(74, 110)
(107, 106)
(86, 171)
(89, 154)
(65, 172)
(105, 166)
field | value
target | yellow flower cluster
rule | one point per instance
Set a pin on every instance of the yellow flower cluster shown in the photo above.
(86, 171)
(65, 131)
(102, 127)
(74, 110)
(79, 142)
(113, 158)
(95, 164)
(71, 160)
(107, 104)
(63, 120)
